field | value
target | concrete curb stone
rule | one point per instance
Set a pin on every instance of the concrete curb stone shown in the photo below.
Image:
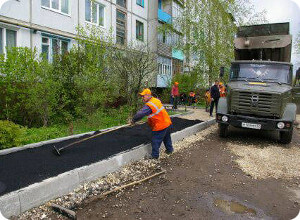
(16, 202)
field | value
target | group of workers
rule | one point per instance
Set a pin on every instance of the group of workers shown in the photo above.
(212, 96)
(159, 119)
(182, 98)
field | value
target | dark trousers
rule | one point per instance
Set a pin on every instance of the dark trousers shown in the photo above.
(213, 102)
(175, 102)
(161, 136)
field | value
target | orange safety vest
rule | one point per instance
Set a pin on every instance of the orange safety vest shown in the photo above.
(192, 94)
(207, 97)
(159, 119)
(222, 91)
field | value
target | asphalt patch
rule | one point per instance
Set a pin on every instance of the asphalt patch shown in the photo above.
(23, 168)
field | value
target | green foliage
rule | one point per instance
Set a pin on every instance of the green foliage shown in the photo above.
(35, 135)
(208, 29)
(27, 88)
(11, 135)
(85, 87)
(98, 120)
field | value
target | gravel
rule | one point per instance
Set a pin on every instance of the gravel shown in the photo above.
(272, 161)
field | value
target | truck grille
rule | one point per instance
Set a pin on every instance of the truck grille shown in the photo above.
(259, 104)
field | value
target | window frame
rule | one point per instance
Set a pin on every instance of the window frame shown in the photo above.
(4, 38)
(140, 3)
(138, 27)
(59, 10)
(99, 5)
(125, 5)
(50, 44)
(122, 27)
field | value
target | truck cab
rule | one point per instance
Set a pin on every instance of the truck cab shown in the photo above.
(260, 87)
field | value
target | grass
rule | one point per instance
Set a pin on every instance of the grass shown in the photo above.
(99, 120)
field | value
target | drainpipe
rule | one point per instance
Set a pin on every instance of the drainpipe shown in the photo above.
(30, 24)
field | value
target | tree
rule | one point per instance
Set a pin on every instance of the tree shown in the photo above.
(132, 69)
(208, 28)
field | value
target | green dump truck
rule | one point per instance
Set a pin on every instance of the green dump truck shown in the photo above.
(261, 91)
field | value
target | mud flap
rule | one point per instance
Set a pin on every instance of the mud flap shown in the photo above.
(290, 112)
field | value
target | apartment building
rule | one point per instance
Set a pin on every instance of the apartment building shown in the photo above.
(50, 26)
(170, 60)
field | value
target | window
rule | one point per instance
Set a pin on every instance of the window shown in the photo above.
(8, 39)
(53, 45)
(1, 40)
(121, 27)
(165, 38)
(177, 66)
(121, 3)
(57, 5)
(175, 39)
(164, 76)
(140, 2)
(177, 12)
(45, 47)
(94, 12)
(11, 38)
(139, 31)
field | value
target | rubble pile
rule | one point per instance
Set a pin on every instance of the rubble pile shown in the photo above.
(271, 161)
(129, 173)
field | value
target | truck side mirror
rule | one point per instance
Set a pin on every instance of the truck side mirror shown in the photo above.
(221, 71)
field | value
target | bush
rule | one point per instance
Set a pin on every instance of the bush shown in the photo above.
(11, 134)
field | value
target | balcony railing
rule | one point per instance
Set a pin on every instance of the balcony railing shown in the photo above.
(164, 16)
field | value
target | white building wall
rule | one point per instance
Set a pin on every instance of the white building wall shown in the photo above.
(56, 23)
(52, 19)
(16, 9)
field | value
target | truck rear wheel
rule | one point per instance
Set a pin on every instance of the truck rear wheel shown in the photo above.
(223, 130)
(285, 137)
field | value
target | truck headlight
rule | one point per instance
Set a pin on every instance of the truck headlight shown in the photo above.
(225, 118)
(280, 125)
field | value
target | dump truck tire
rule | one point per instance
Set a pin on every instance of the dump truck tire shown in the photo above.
(285, 137)
(223, 130)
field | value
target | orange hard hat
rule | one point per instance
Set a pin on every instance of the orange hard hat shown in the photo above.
(176, 83)
(221, 84)
(145, 92)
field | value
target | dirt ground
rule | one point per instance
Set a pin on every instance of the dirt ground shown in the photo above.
(212, 178)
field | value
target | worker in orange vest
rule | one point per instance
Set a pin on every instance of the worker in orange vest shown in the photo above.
(191, 98)
(222, 90)
(207, 100)
(159, 121)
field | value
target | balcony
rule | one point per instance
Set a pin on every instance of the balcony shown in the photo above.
(164, 17)
(177, 54)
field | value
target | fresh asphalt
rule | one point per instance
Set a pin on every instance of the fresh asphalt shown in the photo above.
(23, 168)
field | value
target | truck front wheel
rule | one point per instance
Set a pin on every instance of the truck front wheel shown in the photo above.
(285, 137)
(223, 130)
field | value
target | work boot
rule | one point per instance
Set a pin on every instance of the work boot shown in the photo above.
(168, 152)
(150, 157)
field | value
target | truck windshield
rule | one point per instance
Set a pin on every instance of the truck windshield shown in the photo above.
(261, 72)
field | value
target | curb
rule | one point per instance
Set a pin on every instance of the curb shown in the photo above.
(17, 202)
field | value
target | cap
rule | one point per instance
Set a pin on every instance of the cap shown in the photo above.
(145, 92)
(176, 83)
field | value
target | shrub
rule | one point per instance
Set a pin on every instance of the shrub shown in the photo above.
(11, 134)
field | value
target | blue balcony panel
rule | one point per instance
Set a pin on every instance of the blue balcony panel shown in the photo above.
(177, 54)
(164, 16)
